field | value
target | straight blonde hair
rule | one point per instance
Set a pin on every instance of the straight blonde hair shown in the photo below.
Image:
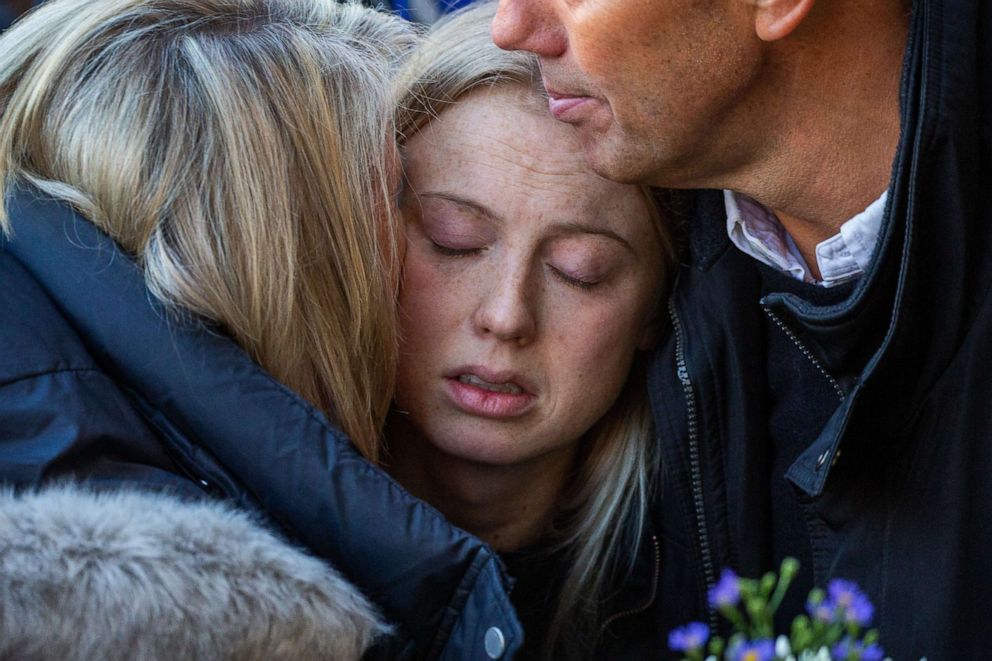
(600, 518)
(237, 149)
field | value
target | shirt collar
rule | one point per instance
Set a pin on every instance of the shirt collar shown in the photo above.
(757, 232)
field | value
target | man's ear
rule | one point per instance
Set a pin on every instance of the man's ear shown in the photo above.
(775, 19)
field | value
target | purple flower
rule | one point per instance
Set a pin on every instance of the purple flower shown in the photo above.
(823, 611)
(727, 591)
(858, 651)
(851, 603)
(689, 638)
(756, 650)
(872, 652)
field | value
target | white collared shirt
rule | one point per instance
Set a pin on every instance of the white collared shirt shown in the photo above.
(756, 231)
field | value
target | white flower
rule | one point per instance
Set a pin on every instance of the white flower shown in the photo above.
(782, 647)
(822, 654)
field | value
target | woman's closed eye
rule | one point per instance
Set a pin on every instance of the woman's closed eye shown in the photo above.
(584, 263)
(453, 251)
(578, 280)
(449, 232)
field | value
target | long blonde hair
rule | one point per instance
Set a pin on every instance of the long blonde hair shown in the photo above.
(238, 150)
(600, 517)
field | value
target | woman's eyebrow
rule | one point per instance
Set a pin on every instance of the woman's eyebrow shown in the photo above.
(582, 228)
(476, 207)
(565, 227)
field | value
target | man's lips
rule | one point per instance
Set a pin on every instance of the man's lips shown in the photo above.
(567, 107)
(561, 106)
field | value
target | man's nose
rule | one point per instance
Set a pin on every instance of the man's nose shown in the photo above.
(529, 25)
(506, 311)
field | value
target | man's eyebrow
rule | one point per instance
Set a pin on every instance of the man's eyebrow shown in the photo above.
(472, 205)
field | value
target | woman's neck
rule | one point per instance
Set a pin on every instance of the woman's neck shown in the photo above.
(507, 506)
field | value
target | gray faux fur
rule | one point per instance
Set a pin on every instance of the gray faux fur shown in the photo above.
(128, 575)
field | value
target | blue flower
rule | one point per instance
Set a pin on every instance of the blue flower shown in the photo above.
(689, 638)
(727, 591)
(755, 650)
(857, 651)
(850, 602)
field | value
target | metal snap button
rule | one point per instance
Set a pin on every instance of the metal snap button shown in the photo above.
(822, 459)
(495, 643)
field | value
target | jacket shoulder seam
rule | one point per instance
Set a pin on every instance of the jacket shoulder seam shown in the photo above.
(19, 378)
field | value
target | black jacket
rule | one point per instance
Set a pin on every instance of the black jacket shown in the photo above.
(97, 382)
(896, 488)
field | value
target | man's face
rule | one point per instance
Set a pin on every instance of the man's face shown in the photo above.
(657, 89)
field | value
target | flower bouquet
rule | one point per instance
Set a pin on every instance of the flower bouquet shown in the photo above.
(832, 629)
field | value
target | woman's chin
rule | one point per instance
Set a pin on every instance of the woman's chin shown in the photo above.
(479, 446)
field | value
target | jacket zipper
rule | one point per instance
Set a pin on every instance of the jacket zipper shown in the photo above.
(804, 351)
(695, 465)
(654, 590)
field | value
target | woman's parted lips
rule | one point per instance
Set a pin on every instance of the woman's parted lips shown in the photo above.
(494, 376)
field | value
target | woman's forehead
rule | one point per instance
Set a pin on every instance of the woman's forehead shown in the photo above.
(498, 137)
(498, 147)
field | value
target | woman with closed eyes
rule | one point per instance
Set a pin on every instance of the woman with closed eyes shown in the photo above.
(530, 285)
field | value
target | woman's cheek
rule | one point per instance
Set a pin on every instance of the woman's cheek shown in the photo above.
(609, 330)
(434, 289)
(419, 287)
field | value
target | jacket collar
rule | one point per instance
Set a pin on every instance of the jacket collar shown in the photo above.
(925, 279)
(920, 293)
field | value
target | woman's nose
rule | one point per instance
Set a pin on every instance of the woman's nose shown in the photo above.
(506, 311)
(529, 25)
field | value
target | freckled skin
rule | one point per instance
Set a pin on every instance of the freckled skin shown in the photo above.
(506, 306)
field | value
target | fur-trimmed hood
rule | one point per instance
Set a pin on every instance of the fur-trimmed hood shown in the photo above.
(132, 575)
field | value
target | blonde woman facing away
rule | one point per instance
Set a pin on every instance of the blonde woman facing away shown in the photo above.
(199, 265)
(530, 284)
